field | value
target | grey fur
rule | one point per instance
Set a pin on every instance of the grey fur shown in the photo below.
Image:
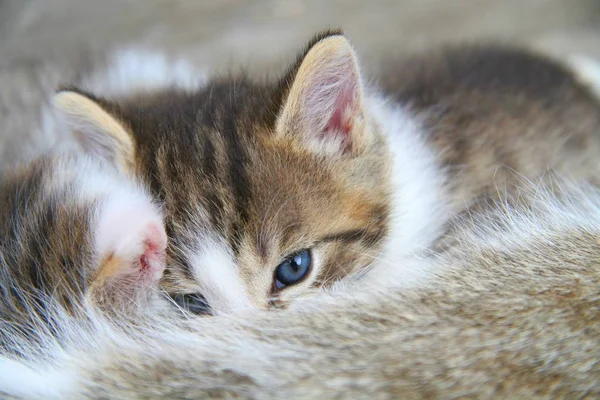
(514, 313)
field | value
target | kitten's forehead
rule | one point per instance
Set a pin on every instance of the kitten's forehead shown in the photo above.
(218, 149)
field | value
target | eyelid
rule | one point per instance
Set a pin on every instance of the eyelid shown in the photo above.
(348, 236)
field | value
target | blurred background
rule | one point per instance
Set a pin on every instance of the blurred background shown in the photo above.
(42, 42)
(264, 31)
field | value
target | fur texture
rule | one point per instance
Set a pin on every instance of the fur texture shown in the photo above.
(74, 236)
(318, 160)
(513, 313)
(260, 170)
(509, 310)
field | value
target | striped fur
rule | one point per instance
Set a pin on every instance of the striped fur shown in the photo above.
(250, 172)
(71, 236)
(513, 312)
(510, 309)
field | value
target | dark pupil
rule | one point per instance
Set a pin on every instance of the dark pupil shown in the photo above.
(192, 302)
(293, 269)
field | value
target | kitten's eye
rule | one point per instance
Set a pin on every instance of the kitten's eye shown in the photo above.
(192, 302)
(295, 268)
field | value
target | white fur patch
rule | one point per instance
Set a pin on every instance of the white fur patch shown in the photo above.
(417, 203)
(132, 70)
(215, 269)
(94, 179)
(19, 380)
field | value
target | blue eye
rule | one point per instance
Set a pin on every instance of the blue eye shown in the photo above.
(293, 269)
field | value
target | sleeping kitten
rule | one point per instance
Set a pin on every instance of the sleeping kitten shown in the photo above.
(74, 236)
(273, 189)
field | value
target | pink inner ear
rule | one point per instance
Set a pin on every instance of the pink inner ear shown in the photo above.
(344, 107)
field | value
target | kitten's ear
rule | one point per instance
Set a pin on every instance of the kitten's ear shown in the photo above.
(96, 129)
(130, 243)
(324, 105)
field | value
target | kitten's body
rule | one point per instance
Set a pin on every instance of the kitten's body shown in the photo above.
(515, 314)
(250, 172)
(496, 116)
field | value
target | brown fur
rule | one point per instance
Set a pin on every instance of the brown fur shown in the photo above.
(219, 152)
(50, 266)
(235, 158)
(499, 116)
(513, 313)
(45, 248)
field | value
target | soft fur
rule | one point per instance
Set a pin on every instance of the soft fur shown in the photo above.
(74, 236)
(251, 172)
(509, 308)
(514, 313)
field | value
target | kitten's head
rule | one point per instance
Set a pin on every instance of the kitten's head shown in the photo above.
(270, 189)
(74, 232)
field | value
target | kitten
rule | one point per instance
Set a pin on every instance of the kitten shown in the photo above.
(274, 189)
(74, 236)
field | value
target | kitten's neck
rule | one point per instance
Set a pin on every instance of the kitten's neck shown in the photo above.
(417, 205)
